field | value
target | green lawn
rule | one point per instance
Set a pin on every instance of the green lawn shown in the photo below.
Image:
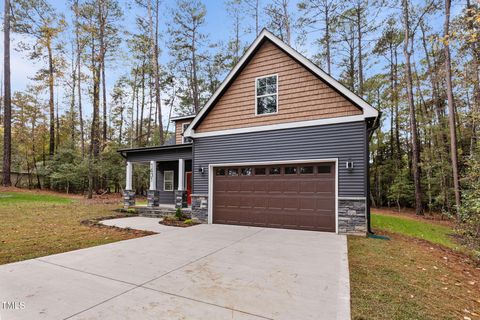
(9, 198)
(403, 278)
(35, 224)
(434, 233)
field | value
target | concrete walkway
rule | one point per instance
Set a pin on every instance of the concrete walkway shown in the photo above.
(139, 223)
(202, 272)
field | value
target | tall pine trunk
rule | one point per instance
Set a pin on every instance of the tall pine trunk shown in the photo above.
(156, 66)
(451, 106)
(51, 101)
(407, 51)
(7, 103)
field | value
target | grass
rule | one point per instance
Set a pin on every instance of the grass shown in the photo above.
(406, 278)
(12, 198)
(34, 224)
(434, 233)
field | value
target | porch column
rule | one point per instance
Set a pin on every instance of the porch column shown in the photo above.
(153, 195)
(129, 194)
(153, 175)
(128, 183)
(181, 174)
(181, 194)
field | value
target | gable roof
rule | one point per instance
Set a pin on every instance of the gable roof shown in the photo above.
(368, 110)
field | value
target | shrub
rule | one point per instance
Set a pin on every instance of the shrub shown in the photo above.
(469, 225)
(188, 221)
(179, 214)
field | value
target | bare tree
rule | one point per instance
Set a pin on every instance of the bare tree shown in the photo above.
(322, 12)
(280, 19)
(254, 8)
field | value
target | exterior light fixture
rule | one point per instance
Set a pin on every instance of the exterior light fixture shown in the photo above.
(349, 165)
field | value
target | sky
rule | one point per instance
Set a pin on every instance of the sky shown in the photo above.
(218, 27)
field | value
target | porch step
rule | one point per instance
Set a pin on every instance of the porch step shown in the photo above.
(158, 212)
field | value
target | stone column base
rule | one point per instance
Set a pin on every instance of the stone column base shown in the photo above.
(153, 198)
(180, 199)
(200, 207)
(128, 198)
(352, 216)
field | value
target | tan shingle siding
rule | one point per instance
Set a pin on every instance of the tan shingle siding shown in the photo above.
(178, 130)
(301, 95)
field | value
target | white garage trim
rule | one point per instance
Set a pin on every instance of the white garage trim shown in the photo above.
(211, 170)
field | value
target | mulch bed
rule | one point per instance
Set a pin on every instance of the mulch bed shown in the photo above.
(177, 223)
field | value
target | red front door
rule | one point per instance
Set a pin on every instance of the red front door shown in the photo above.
(189, 187)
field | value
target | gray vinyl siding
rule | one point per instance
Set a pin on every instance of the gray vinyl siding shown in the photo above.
(345, 141)
(160, 155)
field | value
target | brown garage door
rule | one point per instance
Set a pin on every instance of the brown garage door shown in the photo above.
(294, 196)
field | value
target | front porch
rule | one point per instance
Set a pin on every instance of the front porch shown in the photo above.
(170, 178)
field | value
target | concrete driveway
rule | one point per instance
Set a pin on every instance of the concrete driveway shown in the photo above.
(202, 272)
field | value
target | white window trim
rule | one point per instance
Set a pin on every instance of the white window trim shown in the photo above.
(184, 127)
(173, 180)
(266, 95)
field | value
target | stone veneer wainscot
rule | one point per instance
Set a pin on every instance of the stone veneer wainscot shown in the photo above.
(200, 207)
(352, 216)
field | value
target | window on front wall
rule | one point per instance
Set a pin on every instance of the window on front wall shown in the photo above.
(184, 127)
(168, 181)
(266, 94)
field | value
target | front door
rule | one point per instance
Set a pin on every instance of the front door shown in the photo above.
(189, 187)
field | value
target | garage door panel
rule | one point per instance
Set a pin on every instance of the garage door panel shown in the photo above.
(302, 200)
(259, 186)
(307, 204)
(307, 186)
(274, 187)
(324, 185)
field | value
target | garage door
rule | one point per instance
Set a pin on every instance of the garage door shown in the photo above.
(294, 196)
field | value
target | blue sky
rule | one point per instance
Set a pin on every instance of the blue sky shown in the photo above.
(218, 27)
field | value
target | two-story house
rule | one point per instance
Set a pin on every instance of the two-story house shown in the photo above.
(279, 144)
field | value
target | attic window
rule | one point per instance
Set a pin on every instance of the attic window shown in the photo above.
(266, 89)
(184, 127)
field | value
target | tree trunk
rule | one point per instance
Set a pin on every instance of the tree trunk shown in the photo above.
(79, 78)
(360, 53)
(72, 102)
(51, 101)
(451, 106)
(327, 40)
(407, 50)
(156, 67)
(104, 96)
(140, 131)
(476, 82)
(196, 100)
(7, 103)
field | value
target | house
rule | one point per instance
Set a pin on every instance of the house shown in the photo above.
(279, 144)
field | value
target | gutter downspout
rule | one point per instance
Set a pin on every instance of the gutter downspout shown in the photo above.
(375, 126)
